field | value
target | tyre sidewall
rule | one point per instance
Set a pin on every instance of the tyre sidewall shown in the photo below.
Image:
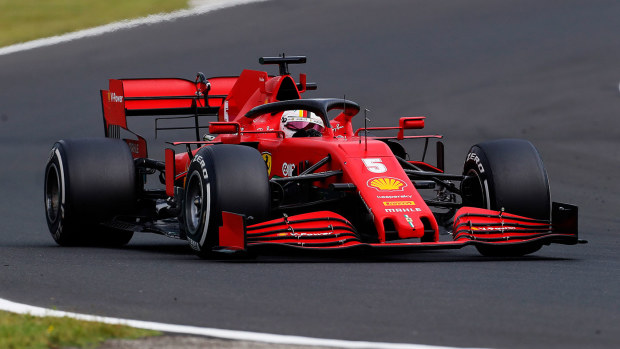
(199, 237)
(61, 232)
(477, 165)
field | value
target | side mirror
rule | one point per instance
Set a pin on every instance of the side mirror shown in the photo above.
(224, 127)
(409, 123)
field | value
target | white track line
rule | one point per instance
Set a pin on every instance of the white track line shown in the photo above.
(198, 7)
(19, 308)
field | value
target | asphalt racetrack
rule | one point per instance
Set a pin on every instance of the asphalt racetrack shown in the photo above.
(547, 71)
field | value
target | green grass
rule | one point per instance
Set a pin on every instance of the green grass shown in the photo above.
(31, 332)
(24, 20)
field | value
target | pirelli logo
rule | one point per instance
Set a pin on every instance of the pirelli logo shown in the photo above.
(398, 203)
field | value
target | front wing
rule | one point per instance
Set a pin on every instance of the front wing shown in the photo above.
(327, 230)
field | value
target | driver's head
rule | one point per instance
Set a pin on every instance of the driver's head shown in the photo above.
(296, 123)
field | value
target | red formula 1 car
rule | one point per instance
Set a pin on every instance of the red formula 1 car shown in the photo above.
(278, 170)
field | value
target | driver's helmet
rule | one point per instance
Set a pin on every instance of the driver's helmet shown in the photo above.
(301, 123)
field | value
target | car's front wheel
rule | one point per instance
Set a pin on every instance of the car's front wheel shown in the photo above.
(507, 174)
(225, 177)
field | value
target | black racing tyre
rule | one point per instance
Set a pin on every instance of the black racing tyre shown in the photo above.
(223, 177)
(88, 181)
(507, 174)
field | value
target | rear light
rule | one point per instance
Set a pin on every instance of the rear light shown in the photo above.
(170, 171)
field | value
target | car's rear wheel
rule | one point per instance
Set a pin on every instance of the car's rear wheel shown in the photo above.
(231, 178)
(88, 181)
(507, 174)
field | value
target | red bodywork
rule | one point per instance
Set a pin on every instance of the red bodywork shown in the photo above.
(368, 164)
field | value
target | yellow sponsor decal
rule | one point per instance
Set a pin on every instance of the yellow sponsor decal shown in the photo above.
(386, 184)
(398, 203)
(267, 157)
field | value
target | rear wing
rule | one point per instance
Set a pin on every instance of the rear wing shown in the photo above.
(225, 98)
(157, 97)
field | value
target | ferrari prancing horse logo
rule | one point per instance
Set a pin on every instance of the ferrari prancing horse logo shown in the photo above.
(267, 157)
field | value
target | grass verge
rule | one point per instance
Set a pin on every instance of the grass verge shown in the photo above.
(31, 332)
(25, 20)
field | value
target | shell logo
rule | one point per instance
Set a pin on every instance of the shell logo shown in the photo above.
(386, 184)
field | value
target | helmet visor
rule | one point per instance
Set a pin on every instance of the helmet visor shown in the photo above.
(302, 123)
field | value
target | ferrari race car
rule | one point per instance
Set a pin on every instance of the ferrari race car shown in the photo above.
(276, 170)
